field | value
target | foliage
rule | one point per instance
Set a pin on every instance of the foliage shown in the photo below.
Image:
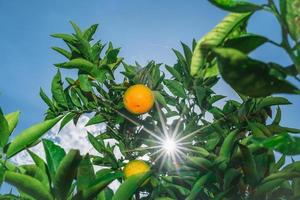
(229, 156)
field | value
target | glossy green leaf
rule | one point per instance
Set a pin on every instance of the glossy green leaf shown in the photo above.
(176, 88)
(97, 119)
(65, 37)
(29, 136)
(47, 100)
(4, 130)
(66, 173)
(236, 6)
(250, 77)
(215, 38)
(62, 52)
(77, 63)
(28, 185)
(67, 118)
(283, 143)
(12, 120)
(88, 33)
(54, 155)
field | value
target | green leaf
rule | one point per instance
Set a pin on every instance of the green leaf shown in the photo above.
(67, 118)
(248, 165)
(47, 100)
(4, 130)
(77, 63)
(277, 118)
(279, 164)
(100, 184)
(106, 194)
(12, 120)
(54, 155)
(84, 83)
(130, 186)
(39, 162)
(65, 37)
(291, 14)
(246, 43)
(160, 98)
(174, 72)
(215, 38)
(236, 6)
(187, 53)
(85, 173)
(97, 119)
(58, 91)
(88, 33)
(66, 173)
(76, 28)
(28, 185)
(198, 186)
(283, 143)
(176, 88)
(62, 52)
(272, 101)
(250, 77)
(29, 136)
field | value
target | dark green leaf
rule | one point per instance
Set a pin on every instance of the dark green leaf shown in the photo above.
(250, 77)
(246, 43)
(198, 186)
(58, 91)
(271, 101)
(283, 143)
(85, 173)
(248, 165)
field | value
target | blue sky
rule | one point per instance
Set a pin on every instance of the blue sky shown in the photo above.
(144, 29)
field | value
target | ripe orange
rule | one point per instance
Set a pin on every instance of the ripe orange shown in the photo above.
(135, 167)
(138, 99)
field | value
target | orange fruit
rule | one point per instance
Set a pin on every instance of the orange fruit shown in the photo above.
(138, 99)
(135, 167)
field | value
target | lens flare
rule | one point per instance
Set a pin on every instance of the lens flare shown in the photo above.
(169, 146)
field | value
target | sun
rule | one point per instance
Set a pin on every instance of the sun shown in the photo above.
(169, 146)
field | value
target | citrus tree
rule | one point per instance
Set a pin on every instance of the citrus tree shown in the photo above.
(176, 140)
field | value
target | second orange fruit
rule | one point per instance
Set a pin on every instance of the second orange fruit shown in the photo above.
(138, 99)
